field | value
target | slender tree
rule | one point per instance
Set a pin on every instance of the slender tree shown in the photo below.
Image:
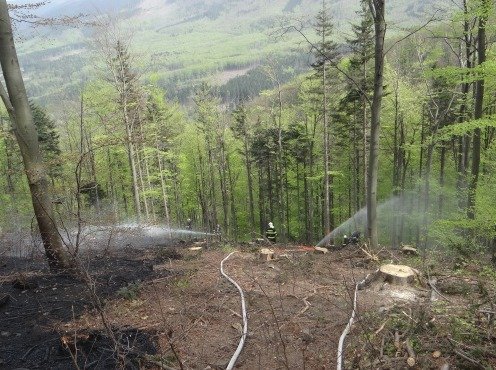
(377, 9)
(362, 45)
(478, 105)
(16, 102)
(325, 53)
(241, 131)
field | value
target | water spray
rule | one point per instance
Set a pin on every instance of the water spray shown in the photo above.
(359, 221)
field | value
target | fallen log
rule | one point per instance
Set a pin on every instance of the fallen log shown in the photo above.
(411, 354)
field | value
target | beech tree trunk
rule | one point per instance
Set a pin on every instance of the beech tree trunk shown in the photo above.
(478, 112)
(17, 104)
(327, 201)
(377, 10)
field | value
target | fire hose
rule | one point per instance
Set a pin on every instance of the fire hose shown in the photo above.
(360, 285)
(243, 309)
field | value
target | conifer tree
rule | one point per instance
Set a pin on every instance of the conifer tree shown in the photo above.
(48, 139)
(125, 81)
(325, 52)
(357, 97)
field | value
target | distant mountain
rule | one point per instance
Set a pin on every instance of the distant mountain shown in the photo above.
(182, 41)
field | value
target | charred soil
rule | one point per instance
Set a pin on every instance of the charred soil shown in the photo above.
(169, 307)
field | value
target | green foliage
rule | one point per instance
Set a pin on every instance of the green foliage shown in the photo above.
(130, 292)
(193, 160)
(464, 329)
(465, 128)
(183, 283)
(48, 139)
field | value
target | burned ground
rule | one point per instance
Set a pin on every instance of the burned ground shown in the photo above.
(170, 307)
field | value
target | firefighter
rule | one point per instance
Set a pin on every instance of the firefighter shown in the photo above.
(355, 237)
(271, 233)
(189, 224)
(218, 232)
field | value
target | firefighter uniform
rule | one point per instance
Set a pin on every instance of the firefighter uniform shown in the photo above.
(271, 233)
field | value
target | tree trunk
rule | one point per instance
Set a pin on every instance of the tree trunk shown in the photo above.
(212, 220)
(232, 186)
(163, 186)
(464, 141)
(250, 183)
(377, 9)
(479, 99)
(223, 179)
(442, 166)
(326, 210)
(281, 206)
(132, 164)
(261, 204)
(17, 104)
(141, 180)
(8, 157)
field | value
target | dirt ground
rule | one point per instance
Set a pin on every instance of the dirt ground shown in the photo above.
(170, 308)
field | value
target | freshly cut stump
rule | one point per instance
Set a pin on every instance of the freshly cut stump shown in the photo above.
(266, 254)
(321, 250)
(397, 274)
(408, 249)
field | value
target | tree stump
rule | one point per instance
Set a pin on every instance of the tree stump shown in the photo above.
(397, 274)
(408, 249)
(321, 250)
(266, 254)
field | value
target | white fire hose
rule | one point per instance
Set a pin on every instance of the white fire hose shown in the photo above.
(243, 309)
(347, 329)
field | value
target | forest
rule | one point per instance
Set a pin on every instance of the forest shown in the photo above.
(239, 160)
(392, 136)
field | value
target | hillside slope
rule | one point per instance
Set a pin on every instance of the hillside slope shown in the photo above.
(183, 41)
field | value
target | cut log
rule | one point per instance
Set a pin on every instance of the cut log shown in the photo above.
(411, 354)
(397, 274)
(321, 250)
(436, 354)
(266, 254)
(397, 343)
(195, 248)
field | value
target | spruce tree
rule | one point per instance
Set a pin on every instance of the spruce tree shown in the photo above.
(325, 53)
(48, 139)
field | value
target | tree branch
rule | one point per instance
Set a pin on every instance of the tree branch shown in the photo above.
(6, 101)
(372, 8)
(432, 19)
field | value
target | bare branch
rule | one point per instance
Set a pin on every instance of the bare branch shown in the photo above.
(6, 100)
(432, 19)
